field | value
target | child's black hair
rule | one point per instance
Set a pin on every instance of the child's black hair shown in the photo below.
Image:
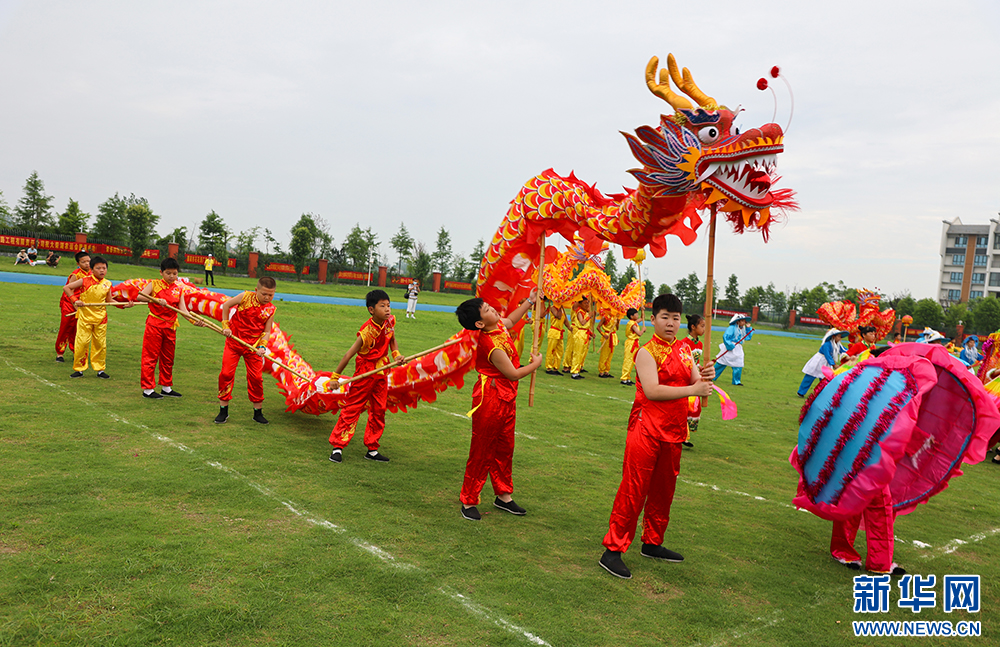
(630, 312)
(373, 297)
(468, 313)
(80, 254)
(864, 330)
(668, 302)
(267, 283)
(169, 264)
(693, 321)
(98, 260)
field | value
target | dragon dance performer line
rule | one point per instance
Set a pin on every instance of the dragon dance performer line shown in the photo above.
(67, 325)
(731, 348)
(376, 339)
(632, 334)
(667, 376)
(491, 449)
(251, 322)
(554, 338)
(609, 341)
(580, 338)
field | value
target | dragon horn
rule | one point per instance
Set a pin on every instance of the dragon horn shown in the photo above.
(662, 89)
(687, 85)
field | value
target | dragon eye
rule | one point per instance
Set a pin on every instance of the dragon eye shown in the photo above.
(708, 135)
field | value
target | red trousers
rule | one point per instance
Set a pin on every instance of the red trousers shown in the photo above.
(370, 393)
(67, 330)
(231, 355)
(879, 519)
(491, 451)
(649, 475)
(158, 345)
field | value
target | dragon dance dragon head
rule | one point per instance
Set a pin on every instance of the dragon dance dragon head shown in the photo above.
(696, 158)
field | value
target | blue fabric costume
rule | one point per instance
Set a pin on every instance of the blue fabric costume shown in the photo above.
(732, 346)
(828, 355)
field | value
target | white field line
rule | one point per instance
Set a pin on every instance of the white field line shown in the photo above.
(466, 603)
(739, 636)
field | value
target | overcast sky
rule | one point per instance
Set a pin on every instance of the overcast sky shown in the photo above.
(435, 113)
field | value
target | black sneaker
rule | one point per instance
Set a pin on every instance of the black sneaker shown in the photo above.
(76, 374)
(258, 416)
(854, 566)
(576, 376)
(605, 375)
(510, 507)
(472, 514)
(59, 358)
(153, 395)
(223, 415)
(687, 443)
(659, 552)
(379, 458)
(628, 383)
(337, 456)
(103, 375)
(611, 561)
(170, 394)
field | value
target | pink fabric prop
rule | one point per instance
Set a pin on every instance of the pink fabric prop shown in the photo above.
(728, 406)
(956, 420)
(871, 479)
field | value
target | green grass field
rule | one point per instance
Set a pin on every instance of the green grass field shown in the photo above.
(134, 522)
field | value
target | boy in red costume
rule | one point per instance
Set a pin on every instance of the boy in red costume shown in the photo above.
(376, 339)
(667, 376)
(160, 339)
(67, 324)
(251, 323)
(495, 396)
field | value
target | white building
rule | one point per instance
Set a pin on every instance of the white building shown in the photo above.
(970, 261)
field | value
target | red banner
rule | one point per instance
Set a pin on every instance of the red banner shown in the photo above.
(198, 259)
(811, 320)
(729, 313)
(401, 280)
(285, 268)
(457, 285)
(354, 276)
(44, 244)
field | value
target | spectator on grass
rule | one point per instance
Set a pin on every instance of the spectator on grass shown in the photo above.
(22, 257)
(32, 255)
(52, 260)
(412, 290)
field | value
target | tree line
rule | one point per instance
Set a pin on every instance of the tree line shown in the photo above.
(132, 221)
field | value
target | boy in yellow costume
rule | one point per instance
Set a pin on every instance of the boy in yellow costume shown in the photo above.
(632, 334)
(581, 336)
(91, 322)
(609, 342)
(554, 356)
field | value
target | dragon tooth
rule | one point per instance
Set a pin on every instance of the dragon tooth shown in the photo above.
(710, 171)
